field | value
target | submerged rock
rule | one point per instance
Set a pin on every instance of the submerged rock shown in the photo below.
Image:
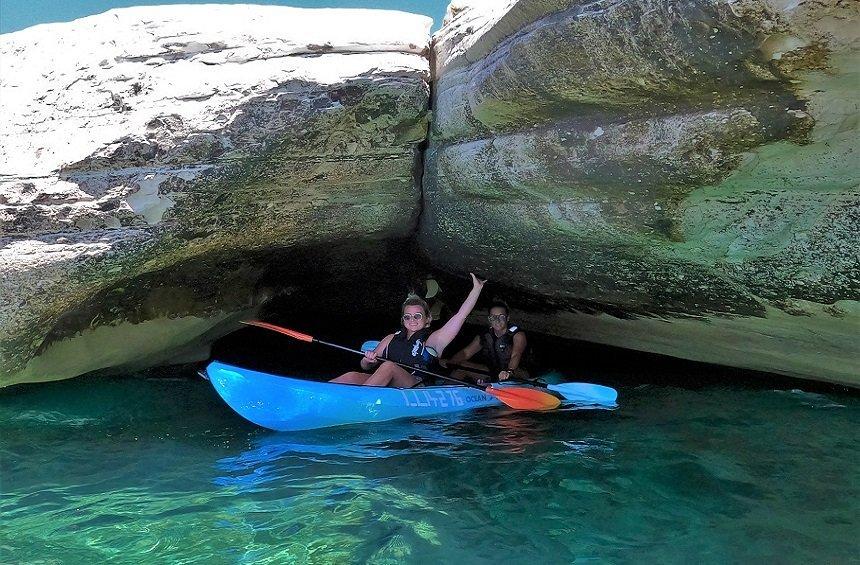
(675, 177)
(156, 162)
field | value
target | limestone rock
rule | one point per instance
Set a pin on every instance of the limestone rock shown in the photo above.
(141, 144)
(676, 177)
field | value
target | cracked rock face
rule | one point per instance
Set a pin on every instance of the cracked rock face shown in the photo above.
(675, 177)
(155, 161)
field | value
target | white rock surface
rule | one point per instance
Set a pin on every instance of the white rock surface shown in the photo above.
(145, 137)
(105, 76)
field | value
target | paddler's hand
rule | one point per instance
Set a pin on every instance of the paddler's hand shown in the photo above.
(369, 360)
(476, 282)
(505, 375)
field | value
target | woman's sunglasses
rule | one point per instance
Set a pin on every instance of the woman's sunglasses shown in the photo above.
(418, 316)
(497, 318)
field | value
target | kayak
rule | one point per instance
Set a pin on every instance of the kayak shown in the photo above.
(589, 394)
(285, 403)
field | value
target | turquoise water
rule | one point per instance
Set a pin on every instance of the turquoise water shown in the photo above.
(18, 14)
(159, 471)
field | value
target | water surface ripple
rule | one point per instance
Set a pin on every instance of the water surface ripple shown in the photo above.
(131, 470)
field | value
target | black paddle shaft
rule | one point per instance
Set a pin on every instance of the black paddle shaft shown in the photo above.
(536, 382)
(405, 366)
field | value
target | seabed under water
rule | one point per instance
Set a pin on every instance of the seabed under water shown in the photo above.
(131, 470)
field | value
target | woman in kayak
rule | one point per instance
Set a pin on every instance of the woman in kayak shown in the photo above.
(414, 344)
(501, 348)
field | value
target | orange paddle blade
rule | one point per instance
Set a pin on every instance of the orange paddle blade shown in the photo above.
(286, 331)
(525, 398)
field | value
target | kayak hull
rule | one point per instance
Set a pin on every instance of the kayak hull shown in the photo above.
(287, 404)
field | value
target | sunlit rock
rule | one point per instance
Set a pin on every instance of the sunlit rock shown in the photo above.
(676, 177)
(156, 163)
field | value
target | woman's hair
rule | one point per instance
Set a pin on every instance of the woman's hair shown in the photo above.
(498, 303)
(415, 300)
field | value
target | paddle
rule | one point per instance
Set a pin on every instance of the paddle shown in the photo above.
(515, 397)
(585, 393)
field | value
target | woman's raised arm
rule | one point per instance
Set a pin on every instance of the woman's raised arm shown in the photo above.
(440, 339)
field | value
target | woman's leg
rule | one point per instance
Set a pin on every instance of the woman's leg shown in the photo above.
(470, 365)
(470, 376)
(465, 374)
(351, 378)
(391, 374)
(521, 374)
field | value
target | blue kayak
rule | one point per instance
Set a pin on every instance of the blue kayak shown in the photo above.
(288, 404)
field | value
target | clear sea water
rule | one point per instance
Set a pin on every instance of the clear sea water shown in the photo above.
(132, 470)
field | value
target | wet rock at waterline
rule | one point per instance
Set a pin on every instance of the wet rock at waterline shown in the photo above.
(675, 177)
(156, 162)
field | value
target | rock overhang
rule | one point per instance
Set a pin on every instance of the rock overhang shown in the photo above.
(634, 195)
(679, 163)
(183, 133)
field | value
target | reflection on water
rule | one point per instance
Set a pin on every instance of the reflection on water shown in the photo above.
(127, 470)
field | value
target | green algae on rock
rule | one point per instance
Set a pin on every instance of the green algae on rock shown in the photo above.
(158, 157)
(677, 177)
(691, 166)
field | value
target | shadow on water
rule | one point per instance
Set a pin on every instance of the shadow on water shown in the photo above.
(344, 445)
(465, 438)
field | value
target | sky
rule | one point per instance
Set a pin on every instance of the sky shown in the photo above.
(18, 14)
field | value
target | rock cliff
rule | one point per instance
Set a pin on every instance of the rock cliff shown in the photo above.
(667, 176)
(153, 160)
(676, 177)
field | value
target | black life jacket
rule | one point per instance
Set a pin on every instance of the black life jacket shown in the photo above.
(497, 350)
(414, 353)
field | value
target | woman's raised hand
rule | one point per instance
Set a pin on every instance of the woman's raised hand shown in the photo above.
(440, 339)
(476, 282)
